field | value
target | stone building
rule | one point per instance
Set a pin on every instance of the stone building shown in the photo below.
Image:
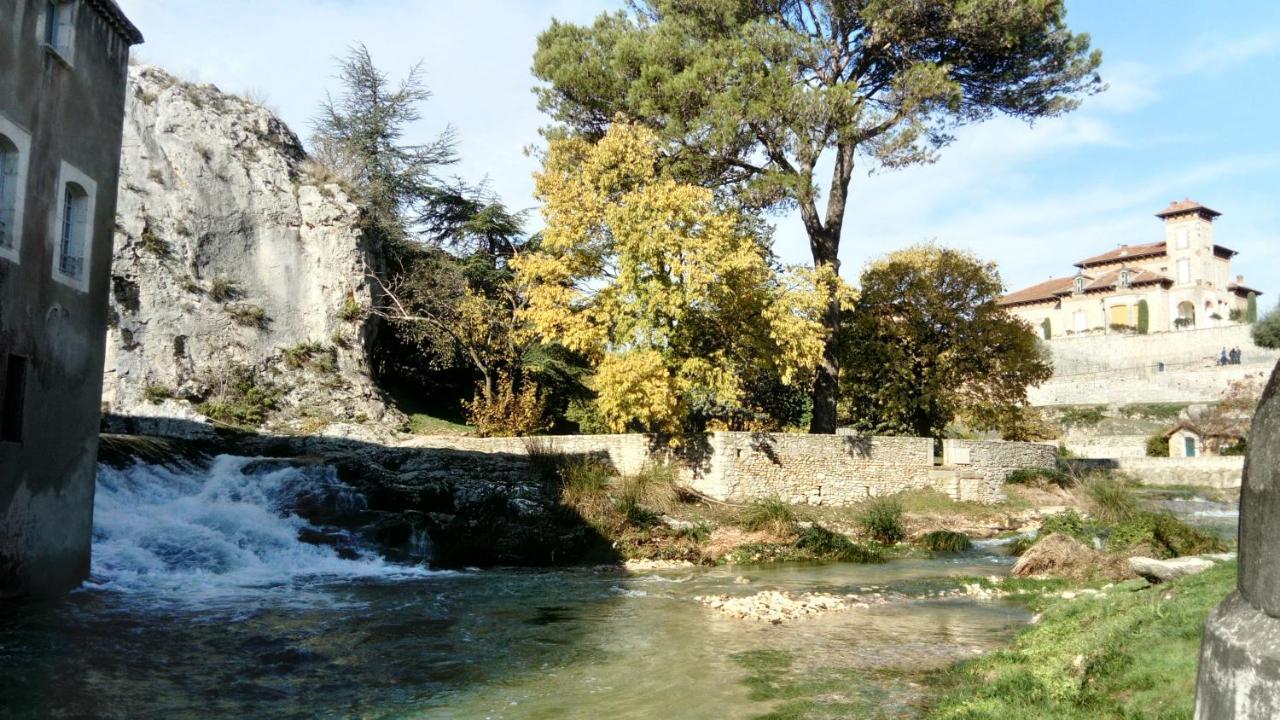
(63, 65)
(1185, 282)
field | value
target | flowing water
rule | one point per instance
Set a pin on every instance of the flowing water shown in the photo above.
(204, 603)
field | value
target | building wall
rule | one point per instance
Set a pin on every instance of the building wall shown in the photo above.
(73, 114)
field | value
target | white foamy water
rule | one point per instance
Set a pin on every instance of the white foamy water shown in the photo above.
(218, 529)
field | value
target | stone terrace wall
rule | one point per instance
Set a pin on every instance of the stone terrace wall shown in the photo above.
(1205, 471)
(815, 469)
(1106, 446)
(800, 469)
(995, 460)
(1088, 353)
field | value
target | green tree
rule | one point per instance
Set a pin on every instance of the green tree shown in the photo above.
(749, 95)
(1048, 329)
(1266, 332)
(361, 135)
(1251, 308)
(1144, 317)
(927, 344)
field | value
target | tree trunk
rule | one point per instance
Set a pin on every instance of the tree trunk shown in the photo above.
(826, 383)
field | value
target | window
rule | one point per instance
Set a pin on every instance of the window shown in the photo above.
(1124, 278)
(14, 145)
(73, 229)
(60, 27)
(1183, 239)
(1079, 284)
(13, 399)
(1184, 271)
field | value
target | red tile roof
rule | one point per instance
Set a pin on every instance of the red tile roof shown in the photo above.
(1186, 205)
(1052, 289)
(1122, 253)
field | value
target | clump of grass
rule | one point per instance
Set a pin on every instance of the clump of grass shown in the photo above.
(820, 543)
(350, 310)
(1162, 535)
(222, 289)
(1040, 476)
(248, 315)
(297, 357)
(1085, 416)
(1068, 523)
(1020, 545)
(155, 393)
(769, 515)
(584, 486)
(1112, 500)
(152, 243)
(653, 487)
(881, 519)
(190, 285)
(945, 541)
(698, 533)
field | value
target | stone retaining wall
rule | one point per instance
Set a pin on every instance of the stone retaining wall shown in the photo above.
(1106, 446)
(1214, 472)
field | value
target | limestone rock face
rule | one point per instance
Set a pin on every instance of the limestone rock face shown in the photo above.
(234, 257)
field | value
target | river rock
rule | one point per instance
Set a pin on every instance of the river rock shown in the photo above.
(232, 247)
(1158, 571)
(1240, 655)
(774, 607)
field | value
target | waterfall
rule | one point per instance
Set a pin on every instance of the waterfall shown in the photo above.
(231, 525)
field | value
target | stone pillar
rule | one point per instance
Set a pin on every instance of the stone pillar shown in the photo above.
(1240, 655)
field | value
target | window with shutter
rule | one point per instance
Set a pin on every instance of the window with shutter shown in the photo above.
(71, 227)
(60, 27)
(74, 226)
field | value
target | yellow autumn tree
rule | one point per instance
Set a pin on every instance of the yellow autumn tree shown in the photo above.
(672, 296)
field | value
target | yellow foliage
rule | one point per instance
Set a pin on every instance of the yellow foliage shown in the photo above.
(506, 412)
(668, 293)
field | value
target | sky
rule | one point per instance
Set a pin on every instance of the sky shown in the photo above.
(1191, 111)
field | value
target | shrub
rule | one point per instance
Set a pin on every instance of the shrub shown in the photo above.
(248, 315)
(881, 519)
(698, 533)
(300, 355)
(1236, 315)
(1085, 416)
(1113, 501)
(1069, 523)
(242, 397)
(223, 289)
(1251, 308)
(1240, 449)
(1163, 535)
(1266, 332)
(1154, 411)
(945, 541)
(821, 543)
(156, 394)
(1144, 317)
(350, 310)
(1021, 544)
(584, 486)
(152, 243)
(768, 515)
(1183, 323)
(1033, 476)
(1158, 445)
(1047, 327)
(507, 413)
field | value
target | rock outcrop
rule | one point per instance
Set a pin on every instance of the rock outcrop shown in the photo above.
(239, 281)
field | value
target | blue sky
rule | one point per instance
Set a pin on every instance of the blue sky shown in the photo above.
(1192, 110)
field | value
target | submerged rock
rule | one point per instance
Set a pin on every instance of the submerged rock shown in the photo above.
(775, 608)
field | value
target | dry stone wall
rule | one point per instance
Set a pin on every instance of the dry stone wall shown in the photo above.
(799, 469)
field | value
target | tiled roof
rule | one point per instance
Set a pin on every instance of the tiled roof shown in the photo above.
(1243, 289)
(1186, 205)
(1047, 290)
(117, 19)
(1124, 252)
(1052, 289)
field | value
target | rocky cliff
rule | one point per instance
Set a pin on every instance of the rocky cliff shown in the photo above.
(239, 289)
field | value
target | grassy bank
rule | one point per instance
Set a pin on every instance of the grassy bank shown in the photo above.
(1129, 653)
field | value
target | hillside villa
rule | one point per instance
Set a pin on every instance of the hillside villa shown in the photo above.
(1185, 281)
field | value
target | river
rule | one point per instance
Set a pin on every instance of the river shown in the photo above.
(203, 603)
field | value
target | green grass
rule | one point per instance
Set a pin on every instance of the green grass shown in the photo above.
(1131, 654)
(424, 424)
(1082, 415)
(768, 515)
(1113, 501)
(881, 519)
(944, 541)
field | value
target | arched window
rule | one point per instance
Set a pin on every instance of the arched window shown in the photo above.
(74, 231)
(1124, 278)
(9, 159)
(1079, 284)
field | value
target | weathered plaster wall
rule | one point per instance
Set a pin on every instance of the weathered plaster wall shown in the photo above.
(73, 113)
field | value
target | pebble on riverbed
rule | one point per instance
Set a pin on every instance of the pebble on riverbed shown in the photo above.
(776, 607)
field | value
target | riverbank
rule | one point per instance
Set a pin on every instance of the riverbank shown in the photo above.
(1128, 652)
